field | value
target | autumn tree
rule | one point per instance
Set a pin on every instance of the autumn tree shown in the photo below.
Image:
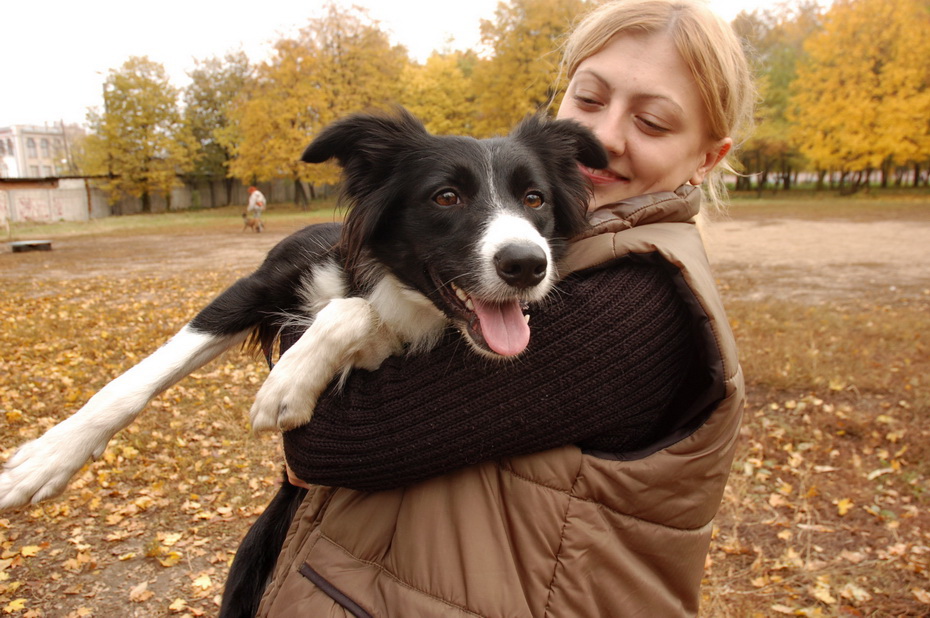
(776, 39)
(860, 102)
(139, 142)
(520, 77)
(215, 85)
(339, 63)
(440, 92)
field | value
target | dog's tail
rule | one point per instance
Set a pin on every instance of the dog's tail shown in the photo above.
(252, 567)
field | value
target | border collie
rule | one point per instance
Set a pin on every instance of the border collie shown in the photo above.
(439, 230)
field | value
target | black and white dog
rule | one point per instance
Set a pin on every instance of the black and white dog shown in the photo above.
(439, 230)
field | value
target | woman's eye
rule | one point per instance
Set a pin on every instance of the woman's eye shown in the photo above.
(651, 125)
(586, 102)
(447, 197)
(533, 200)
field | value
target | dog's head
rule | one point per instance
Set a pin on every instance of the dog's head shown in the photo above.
(474, 225)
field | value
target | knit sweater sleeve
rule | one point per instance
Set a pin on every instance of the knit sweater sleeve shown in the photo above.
(607, 356)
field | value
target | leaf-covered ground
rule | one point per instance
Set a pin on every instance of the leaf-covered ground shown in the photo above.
(825, 513)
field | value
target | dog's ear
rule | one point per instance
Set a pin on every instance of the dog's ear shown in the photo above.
(561, 145)
(561, 138)
(369, 147)
(364, 137)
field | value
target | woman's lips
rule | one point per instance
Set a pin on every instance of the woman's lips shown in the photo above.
(601, 177)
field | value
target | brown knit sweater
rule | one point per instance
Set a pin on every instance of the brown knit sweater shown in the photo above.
(607, 356)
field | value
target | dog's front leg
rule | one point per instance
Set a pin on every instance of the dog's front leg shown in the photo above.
(346, 332)
(42, 468)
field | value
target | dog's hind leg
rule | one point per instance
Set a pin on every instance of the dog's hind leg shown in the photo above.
(42, 468)
(255, 559)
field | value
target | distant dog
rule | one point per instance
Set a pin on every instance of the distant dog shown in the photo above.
(439, 230)
(254, 223)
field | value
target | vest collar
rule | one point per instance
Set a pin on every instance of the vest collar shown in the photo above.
(681, 205)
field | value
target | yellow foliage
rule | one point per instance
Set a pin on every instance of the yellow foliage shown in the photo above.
(441, 94)
(139, 140)
(861, 99)
(338, 64)
(520, 77)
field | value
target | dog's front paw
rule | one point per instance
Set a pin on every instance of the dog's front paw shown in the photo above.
(281, 404)
(41, 469)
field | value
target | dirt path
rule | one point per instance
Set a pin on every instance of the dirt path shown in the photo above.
(815, 261)
(806, 261)
(143, 253)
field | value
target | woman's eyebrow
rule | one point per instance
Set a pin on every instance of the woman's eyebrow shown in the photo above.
(661, 98)
(593, 74)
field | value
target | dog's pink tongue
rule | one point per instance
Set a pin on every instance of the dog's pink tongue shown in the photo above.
(503, 326)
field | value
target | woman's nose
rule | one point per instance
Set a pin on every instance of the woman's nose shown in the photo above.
(611, 133)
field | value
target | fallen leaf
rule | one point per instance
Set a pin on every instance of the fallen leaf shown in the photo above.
(203, 582)
(854, 593)
(843, 506)
(854, 557)
(822, 593)
(171, 539)
(17, 605)
(179, 605)
(141, 593)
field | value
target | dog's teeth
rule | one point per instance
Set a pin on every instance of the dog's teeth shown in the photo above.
(469, 305)
(526, 317)
(461, 294)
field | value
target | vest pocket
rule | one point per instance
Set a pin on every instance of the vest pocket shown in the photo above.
(332, 592)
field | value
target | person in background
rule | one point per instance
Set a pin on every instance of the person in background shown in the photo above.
(581, 479)
(256, 203)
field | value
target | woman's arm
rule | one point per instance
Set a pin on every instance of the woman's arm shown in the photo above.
(605, 361)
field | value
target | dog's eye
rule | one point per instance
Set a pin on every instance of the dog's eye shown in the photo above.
(447, 197)
(533, 200)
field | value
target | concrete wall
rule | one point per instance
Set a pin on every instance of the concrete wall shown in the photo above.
(77, 200)
(72, 200)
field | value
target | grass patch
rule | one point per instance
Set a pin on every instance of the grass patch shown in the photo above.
(184, 221)
(814, 206)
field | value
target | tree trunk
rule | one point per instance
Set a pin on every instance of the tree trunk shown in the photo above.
(229, 190)
(212, 193)
(300, 195)
(785, 174)
(763, 180)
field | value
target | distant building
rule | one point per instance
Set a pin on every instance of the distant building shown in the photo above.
(28, 151)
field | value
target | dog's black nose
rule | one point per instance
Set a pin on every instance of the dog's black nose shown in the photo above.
(521, 265)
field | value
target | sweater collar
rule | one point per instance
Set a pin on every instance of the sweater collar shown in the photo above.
(681, 205)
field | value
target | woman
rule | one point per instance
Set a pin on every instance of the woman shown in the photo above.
(582, 479)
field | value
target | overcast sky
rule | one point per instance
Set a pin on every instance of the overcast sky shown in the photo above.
(54, 55)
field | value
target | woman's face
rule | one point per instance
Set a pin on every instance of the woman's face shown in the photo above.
(639, 99)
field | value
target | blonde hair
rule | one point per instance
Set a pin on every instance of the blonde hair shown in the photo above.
(710, 49)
